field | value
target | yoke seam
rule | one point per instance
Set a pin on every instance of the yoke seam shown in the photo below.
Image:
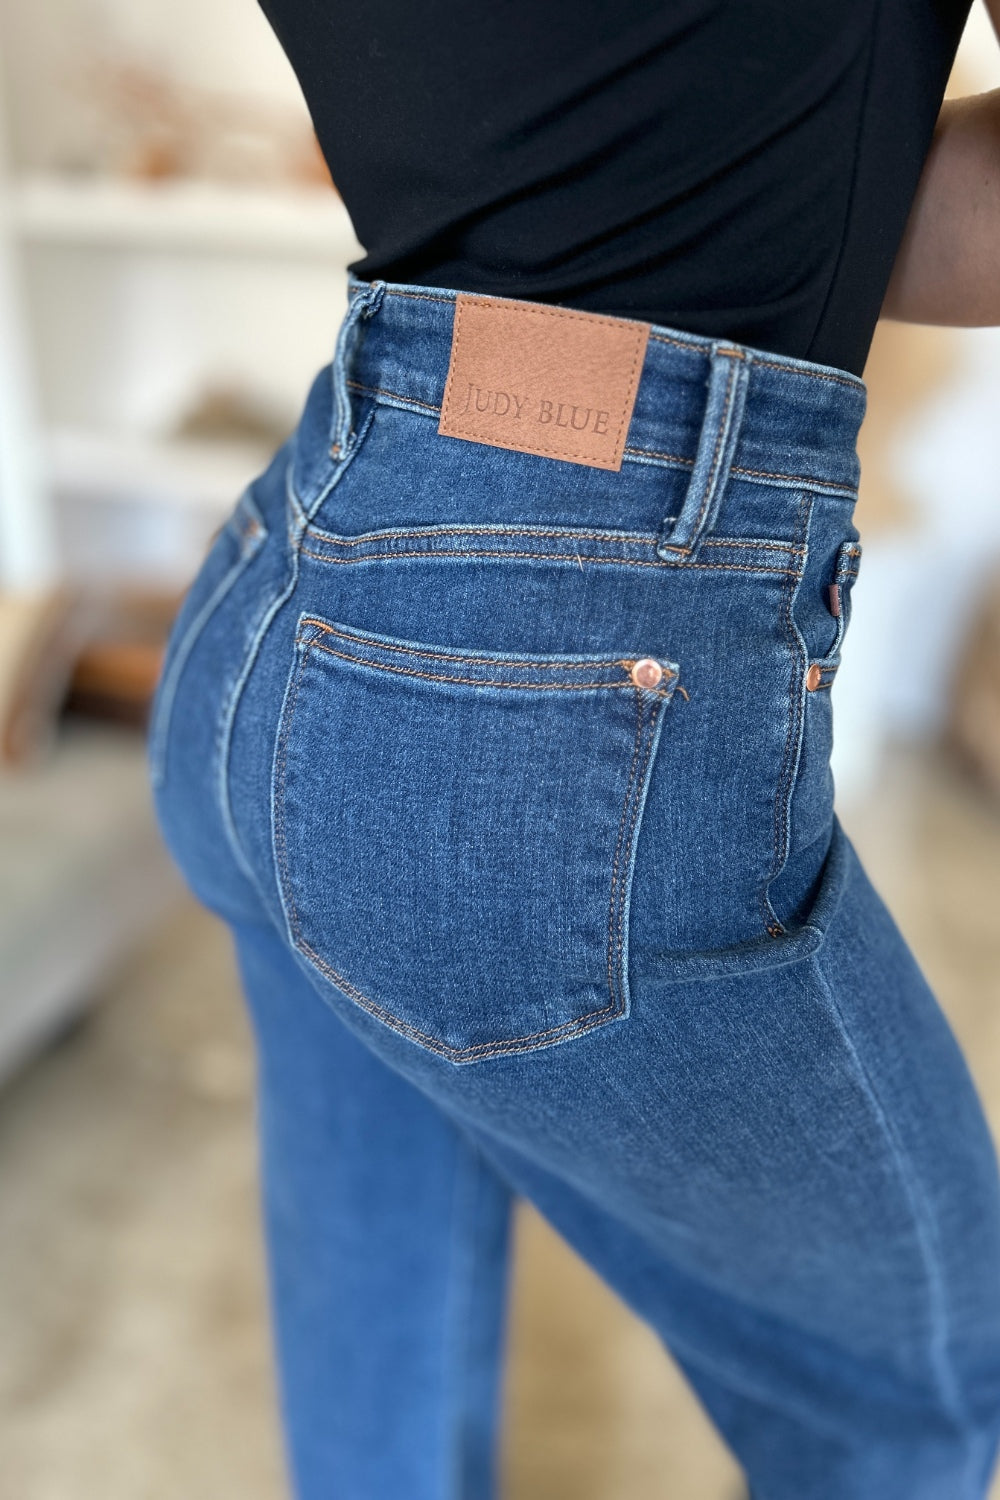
(681, 563)
(432, 410)
(498, 531)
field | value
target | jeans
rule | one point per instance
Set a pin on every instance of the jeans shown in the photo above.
(515, 915)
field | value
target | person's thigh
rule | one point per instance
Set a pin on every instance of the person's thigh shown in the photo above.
(790, 1178)
(387, 1236)
(792, 1181)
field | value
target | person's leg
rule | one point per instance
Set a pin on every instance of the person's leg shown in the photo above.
(387, 1242)
(819, 1181)
(787, 1174)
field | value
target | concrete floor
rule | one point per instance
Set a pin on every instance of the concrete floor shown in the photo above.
(133, 1345)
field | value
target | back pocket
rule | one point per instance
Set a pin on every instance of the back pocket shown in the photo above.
(455, 832)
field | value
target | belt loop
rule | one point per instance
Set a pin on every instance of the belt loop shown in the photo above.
(720, 430)
(365, 301)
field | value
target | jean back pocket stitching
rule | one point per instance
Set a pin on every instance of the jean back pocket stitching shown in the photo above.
(793, 735)
(620, 888)
(617, 979)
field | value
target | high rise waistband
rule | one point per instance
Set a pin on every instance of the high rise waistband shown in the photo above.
(799, 422)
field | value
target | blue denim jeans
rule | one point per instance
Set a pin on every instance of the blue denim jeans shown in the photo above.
(514, 918)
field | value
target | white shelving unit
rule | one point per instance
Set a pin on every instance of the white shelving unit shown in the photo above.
(27, 539)
(184, 216)
(123, 305)
(125, 299)
(180, 239)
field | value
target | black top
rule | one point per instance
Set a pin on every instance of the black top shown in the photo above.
(740, 168)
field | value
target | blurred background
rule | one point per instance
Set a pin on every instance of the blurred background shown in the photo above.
(172, 259)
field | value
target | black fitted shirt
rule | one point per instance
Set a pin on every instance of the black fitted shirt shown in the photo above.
(737, 168)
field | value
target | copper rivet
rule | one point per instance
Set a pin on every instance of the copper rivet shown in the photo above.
(646, 673)
(814, 677)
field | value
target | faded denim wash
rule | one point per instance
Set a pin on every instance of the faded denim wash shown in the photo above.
(509, 924)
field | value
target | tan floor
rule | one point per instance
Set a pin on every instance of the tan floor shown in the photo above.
(133, 1349)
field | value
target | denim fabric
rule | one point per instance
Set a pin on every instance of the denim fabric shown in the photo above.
(509, 923)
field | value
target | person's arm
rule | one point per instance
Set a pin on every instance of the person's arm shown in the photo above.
(948, 266)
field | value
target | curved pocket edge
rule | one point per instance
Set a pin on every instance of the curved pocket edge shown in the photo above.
(471, 685)
(764, 953)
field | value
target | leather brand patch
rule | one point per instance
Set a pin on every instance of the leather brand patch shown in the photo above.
(545, 380)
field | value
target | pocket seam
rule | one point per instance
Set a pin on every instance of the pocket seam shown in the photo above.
(618, 962)
(552, 687)
(788, 770)
(618, 902)
(404, 648)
